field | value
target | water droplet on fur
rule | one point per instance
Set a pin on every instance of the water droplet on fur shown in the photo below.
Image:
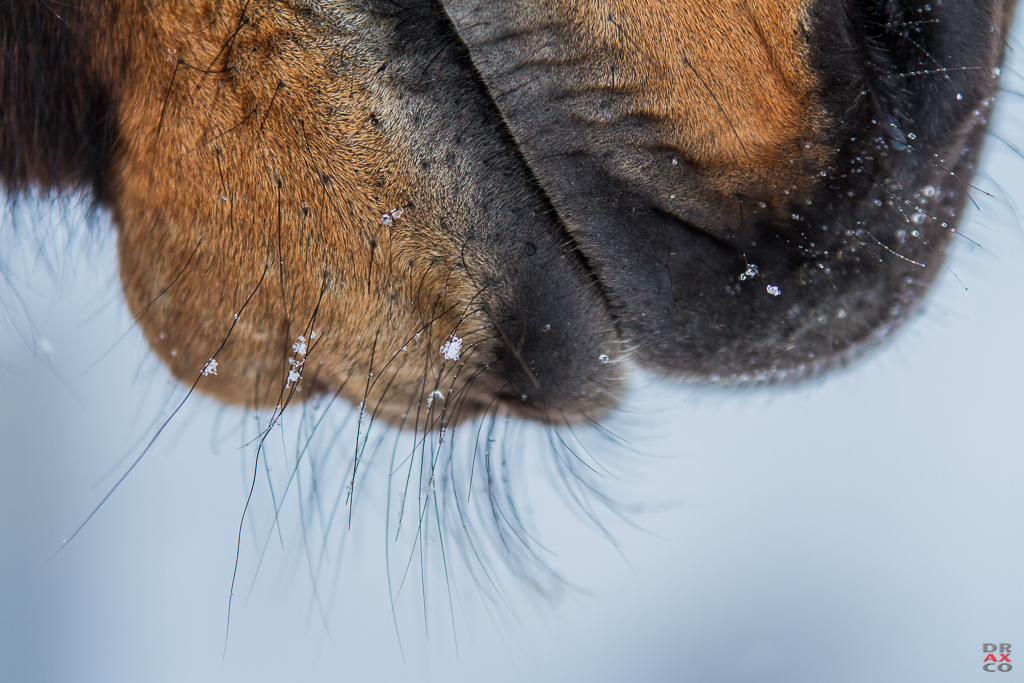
(604, 358)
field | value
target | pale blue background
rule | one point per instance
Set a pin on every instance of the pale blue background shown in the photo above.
(869, 527)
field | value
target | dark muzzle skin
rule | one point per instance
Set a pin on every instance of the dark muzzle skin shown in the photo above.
(727, 191)
(755, 280)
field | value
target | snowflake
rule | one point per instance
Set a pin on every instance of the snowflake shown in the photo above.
(295, 374)
(452, 348)
(210, 368)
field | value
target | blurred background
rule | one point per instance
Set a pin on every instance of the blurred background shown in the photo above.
(865, 527)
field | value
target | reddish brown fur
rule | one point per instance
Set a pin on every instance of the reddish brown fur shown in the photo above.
(727, 79)
(235, 198)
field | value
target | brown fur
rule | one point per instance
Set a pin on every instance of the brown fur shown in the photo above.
(254, 180)
(724, 85)
(237, 183)
(727, 80)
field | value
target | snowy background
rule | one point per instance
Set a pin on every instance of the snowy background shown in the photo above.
(867, 527)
